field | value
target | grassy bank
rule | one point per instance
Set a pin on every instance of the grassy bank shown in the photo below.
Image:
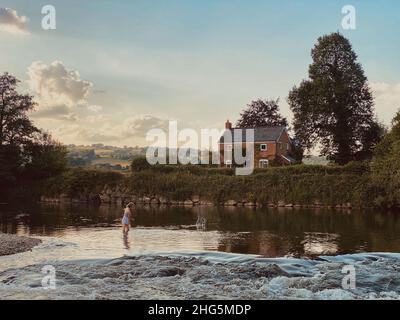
(296, 185)
(327, 185)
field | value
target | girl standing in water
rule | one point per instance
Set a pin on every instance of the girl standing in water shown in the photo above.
(128, 211)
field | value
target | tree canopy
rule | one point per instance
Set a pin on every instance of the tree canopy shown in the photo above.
(334, 108)
(386, 167)
(261, 113)
(15, 126)
(27, 154)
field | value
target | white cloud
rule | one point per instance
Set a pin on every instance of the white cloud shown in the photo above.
(11, 22)
(95, 108)
(98, 118)
(78, 133)
(140, 125)
(60, 112)
(387, 99)
(57, 90)
(109, 128)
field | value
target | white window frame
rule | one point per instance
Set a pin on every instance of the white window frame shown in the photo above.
(261, 163)
(228, 163)
(280, 145)
(261, 147)
(287, 146)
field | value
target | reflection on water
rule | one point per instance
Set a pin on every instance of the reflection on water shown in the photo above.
(266, 232)
(126, 240)
(201, 221)
(320, 243)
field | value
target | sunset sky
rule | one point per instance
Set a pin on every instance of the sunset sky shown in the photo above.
(112, 70)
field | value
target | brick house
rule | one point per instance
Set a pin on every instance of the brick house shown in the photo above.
(270, 144)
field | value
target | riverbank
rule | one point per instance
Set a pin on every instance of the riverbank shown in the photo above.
(299, 186)
(12, 244)
(155, 201)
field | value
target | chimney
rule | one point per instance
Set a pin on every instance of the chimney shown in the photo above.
(228, 125)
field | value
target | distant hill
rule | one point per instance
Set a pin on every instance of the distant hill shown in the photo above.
(120, 158)
(103, 156)
(99, 155)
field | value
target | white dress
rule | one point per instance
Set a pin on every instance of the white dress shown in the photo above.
(125, 218)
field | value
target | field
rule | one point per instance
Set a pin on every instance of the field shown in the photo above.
(111, 161)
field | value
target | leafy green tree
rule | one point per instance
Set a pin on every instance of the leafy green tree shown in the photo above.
(386, 167)
(261, 113)
(297, 151)
(140, 164)
(334, 108)
(10, 165)
(26, 153)
(77, 162)
(45, 158)
(15, 126)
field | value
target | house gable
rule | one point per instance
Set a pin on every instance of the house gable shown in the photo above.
(270, 143)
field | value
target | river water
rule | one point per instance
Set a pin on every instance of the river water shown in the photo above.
(202, 252)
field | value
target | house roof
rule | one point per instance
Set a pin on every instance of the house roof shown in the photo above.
(260, 134)
(289, 158)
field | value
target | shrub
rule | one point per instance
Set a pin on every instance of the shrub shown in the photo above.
(299, 184)
(81, 182)
(140, 164)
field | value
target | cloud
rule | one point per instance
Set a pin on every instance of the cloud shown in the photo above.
(60, 112)
(78, 132)
(109, 128)
(140, 125)
(99, 137)
(98, 118)
(104, 128)
(95, 108)
(387, 99)
(11, 22)
(58, 90)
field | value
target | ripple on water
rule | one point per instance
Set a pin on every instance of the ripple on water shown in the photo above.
(208, 275)
(173, 264)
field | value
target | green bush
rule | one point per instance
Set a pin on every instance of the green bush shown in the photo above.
(140, 164)
(295, 184)
(300, 184)
(80, 182)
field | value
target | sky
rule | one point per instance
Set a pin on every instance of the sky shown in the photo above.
(112, 70)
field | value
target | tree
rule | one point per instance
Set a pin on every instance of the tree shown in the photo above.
(261, 113)
(140, 164)
(386, 167)
(15, 126)
(296, 152)
(334, 107)
(10, 164)
(44, 158)
(27, 155)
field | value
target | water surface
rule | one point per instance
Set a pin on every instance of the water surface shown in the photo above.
(300, 233)
(201, 253)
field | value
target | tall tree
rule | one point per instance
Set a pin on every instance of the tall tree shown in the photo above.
(44, 158)
(334, 107)
(26, 153)
(385, 175)
(15, 126)
(261, 113)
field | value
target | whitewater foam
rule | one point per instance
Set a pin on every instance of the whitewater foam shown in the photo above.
(208, 275)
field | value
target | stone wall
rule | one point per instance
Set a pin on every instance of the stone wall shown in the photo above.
(121, 196)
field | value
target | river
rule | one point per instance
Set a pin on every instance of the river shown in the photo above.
(202, 252)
